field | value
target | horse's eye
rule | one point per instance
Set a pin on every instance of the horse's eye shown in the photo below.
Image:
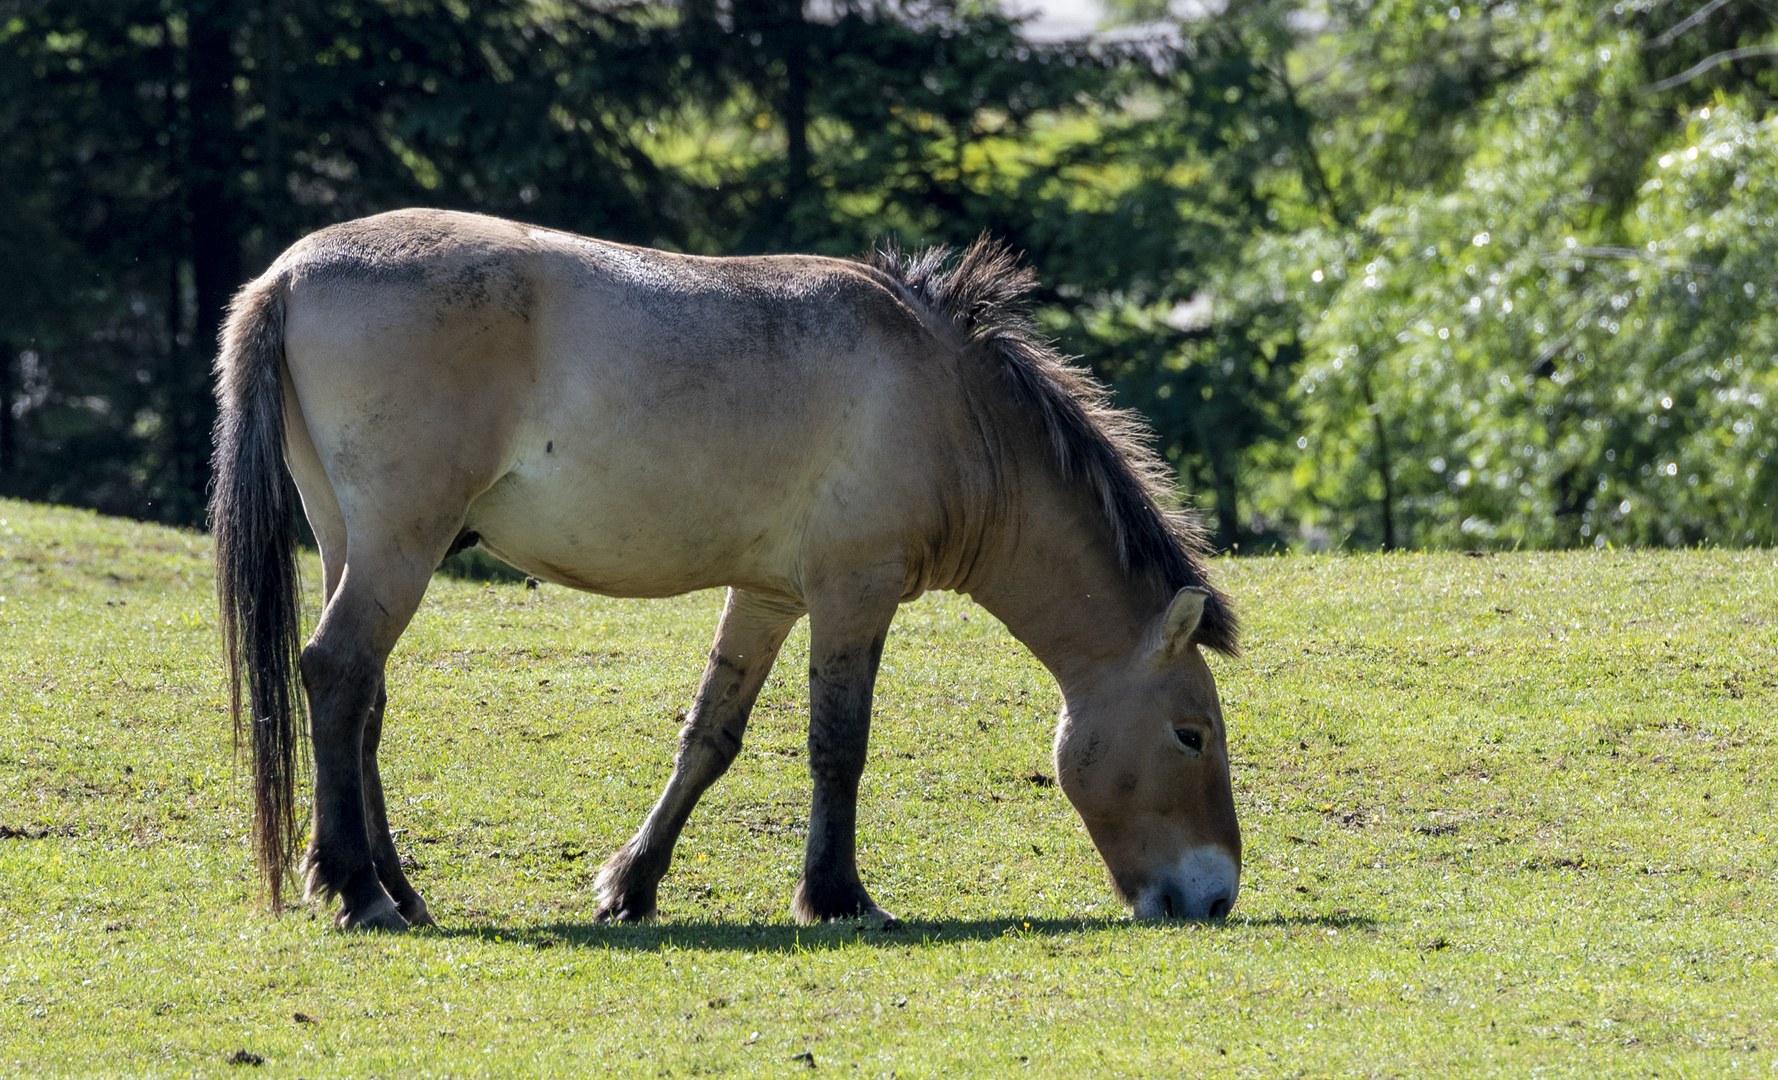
(1190, 738)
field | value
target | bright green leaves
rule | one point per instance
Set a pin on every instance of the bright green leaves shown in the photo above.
(1550, 321)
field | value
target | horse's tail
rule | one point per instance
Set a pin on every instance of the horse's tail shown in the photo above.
(253, 517)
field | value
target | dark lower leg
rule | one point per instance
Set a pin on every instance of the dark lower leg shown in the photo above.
(382, 841)
(842, 677)
(830, 887)
(747, 643)
(342, 689)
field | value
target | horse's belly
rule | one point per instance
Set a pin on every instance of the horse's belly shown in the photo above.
(640, 534)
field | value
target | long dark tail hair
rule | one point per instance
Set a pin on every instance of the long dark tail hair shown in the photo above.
(253, 518)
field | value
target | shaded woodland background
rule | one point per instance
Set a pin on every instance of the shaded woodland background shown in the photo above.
(1382, 274)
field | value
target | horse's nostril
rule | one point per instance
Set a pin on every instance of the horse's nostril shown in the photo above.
(1219, 907)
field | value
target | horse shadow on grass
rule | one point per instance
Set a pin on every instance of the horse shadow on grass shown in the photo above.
(778, 937)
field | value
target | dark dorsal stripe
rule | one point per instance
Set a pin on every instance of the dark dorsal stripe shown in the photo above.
(983, 292)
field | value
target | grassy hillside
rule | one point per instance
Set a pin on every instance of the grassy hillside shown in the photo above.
(1504, 815)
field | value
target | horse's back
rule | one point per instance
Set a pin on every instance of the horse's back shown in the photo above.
(625, 420)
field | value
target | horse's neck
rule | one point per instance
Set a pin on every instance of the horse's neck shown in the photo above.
(1058, 585)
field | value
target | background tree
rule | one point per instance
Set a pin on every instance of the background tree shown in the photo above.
(1543, 323)
(1382, 274)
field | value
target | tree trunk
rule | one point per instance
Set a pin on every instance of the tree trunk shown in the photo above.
(1384, 464)
(271, 169)
(794, 43)
(215, 245)
(9, 436)
(1228, 518)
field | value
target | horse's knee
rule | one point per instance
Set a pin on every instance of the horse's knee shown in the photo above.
(713, 747)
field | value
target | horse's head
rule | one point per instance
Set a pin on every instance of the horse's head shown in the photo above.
(1142, 754)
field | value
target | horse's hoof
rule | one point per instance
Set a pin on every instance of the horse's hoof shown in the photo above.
(871, 917)
(840, 905)
(380, 915)
(878, 919)
(416, 914)
(618, 911)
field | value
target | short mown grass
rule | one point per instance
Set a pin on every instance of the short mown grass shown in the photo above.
(1507, 815)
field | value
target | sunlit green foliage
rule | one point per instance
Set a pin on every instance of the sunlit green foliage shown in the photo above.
(1541, 311)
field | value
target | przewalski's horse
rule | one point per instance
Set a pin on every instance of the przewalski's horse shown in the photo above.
(821, 436)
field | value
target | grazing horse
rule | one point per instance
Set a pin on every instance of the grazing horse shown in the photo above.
(824, 437)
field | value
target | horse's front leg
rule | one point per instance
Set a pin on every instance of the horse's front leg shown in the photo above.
(848, 620)
(752, 630)
(382, 841)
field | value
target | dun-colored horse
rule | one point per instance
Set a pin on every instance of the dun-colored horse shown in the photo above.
(821, 436)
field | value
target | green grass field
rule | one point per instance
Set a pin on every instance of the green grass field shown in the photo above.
(1505, 816)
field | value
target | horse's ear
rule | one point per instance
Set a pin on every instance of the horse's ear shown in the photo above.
(1181, 621)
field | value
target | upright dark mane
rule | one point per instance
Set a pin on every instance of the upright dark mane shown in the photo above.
(982, 292)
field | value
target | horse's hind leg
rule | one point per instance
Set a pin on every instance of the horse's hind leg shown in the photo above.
(382, 841)
(848, 620)
(342, 669)
(329, 524)
(747, 641)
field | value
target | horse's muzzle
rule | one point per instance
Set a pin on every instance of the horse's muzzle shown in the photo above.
(1202, 885)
